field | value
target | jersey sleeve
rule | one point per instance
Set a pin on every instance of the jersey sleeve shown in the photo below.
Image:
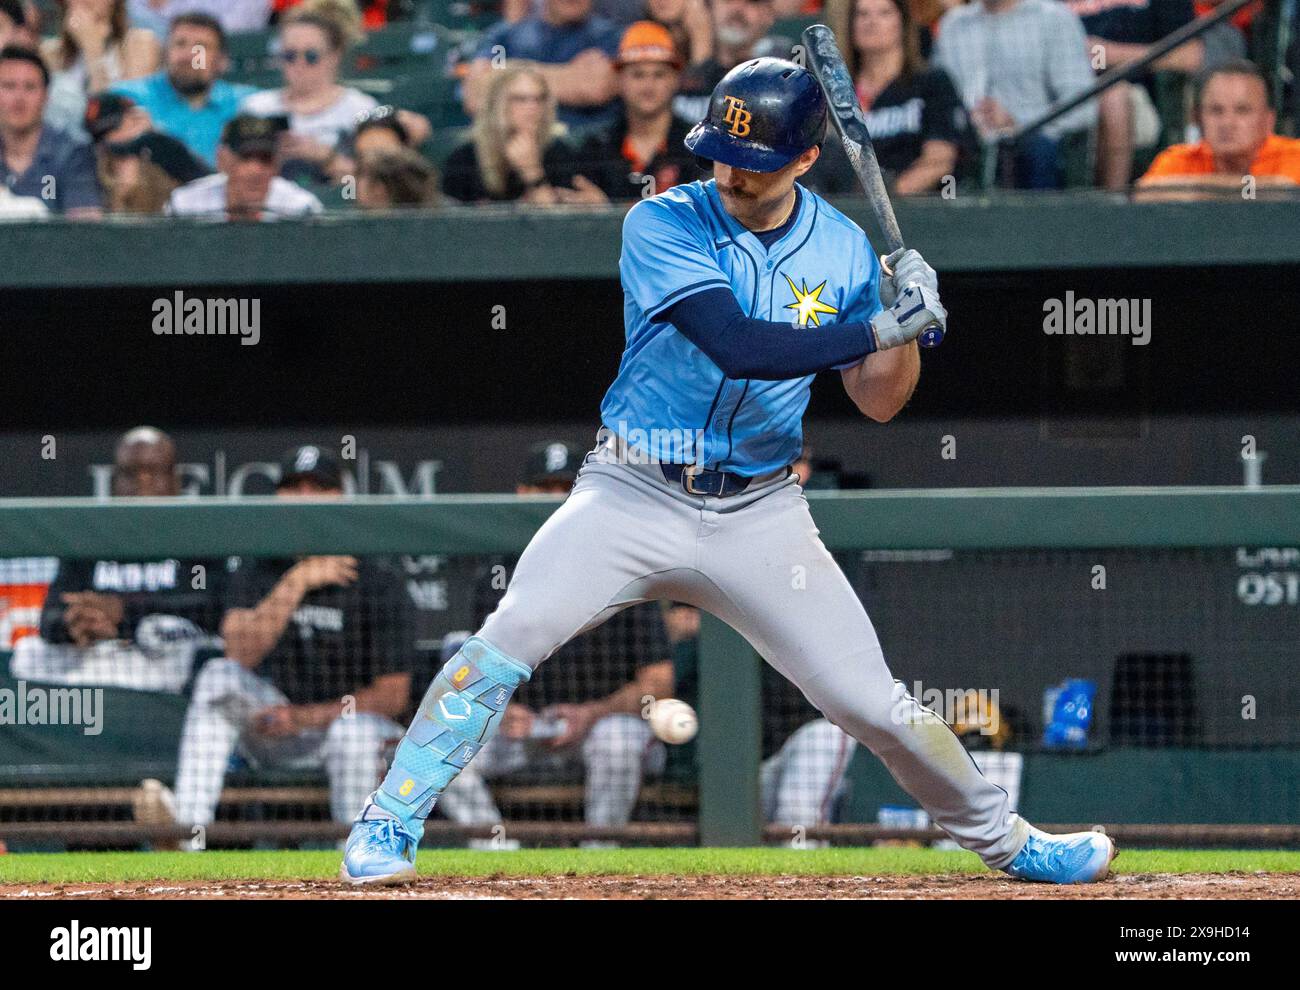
(665, 258)
(864, 303)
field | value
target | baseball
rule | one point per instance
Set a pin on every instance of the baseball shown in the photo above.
(674, 721)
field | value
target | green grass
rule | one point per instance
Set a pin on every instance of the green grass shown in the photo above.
(224, 865)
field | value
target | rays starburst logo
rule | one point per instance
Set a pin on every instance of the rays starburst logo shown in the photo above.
(807, 303)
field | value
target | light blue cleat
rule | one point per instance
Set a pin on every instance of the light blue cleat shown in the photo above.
(379, 851)
(1077, 857)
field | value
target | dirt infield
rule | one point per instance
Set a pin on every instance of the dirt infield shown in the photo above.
(1235, 886)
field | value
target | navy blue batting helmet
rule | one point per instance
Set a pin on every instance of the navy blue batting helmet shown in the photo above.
(762, 115)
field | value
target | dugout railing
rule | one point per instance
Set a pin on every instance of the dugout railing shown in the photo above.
(1081, 521)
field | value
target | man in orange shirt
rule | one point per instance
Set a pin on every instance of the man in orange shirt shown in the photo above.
(1234, 112)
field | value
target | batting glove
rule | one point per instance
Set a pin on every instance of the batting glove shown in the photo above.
(916, 309)
(908, 268)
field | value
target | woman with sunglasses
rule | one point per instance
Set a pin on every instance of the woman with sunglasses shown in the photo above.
(322, 114)
(95, 48)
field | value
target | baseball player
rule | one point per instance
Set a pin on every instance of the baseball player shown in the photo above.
(737, 291)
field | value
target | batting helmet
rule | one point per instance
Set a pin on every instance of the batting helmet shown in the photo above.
(762, 115)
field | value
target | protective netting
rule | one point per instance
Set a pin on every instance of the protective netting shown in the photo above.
(262, 698)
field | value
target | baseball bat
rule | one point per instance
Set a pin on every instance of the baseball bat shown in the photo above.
(827, 65)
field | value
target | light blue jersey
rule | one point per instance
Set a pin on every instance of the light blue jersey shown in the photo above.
(670, 400)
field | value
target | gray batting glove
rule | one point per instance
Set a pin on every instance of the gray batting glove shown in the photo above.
(915, 310)
(908, 268)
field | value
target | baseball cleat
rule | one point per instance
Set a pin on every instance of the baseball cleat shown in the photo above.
(153, 805)
(1077, 857)
(379, 851)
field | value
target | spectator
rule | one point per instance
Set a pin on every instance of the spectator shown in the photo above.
(322, 114)
(691, 25)
(36, 159)
(515, 152)
(140, 175)
(741, 31)
(133, 623)
(642, 153)
(566, 45)
(582, 710)
(111, 117)
(13, 25)
(189, 100)
(1235, 114)
(1119, 33)
(917, 122)
(235, 16)
(139, 169)
(95, 49)
(316, 669)
(390, 179)
(380, 129)
(1012, 60)
(248, 185)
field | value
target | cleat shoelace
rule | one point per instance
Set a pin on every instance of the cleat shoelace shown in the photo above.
(386, 832)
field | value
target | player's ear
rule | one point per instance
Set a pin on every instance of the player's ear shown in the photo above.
(806, 160)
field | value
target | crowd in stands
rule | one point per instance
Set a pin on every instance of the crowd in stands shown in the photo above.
(130, 106)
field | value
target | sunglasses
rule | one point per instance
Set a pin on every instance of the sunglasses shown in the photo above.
(311, 56)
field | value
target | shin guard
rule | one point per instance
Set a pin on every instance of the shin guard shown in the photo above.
(459, 714)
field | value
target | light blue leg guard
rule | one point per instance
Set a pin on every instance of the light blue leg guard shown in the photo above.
(459, 714)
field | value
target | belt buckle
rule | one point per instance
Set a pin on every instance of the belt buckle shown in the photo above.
(689, 474)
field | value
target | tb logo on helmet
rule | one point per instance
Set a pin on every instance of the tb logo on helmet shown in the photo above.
(737, 117)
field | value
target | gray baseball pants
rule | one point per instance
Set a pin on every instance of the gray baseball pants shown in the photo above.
(625, 535)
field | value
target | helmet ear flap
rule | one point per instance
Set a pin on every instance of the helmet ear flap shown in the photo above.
(704, 164)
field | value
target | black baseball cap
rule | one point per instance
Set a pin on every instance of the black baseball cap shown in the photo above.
(310, 461)
(552, 460)
(166, 152)
(105, 112)
(247, 134)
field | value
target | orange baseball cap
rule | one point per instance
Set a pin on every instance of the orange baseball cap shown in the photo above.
(647, 41)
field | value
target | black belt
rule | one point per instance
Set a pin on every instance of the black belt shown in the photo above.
(696, 480)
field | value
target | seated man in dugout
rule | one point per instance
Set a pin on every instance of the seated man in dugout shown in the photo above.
(127, 623)
(1239, 153)
(317, 666)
